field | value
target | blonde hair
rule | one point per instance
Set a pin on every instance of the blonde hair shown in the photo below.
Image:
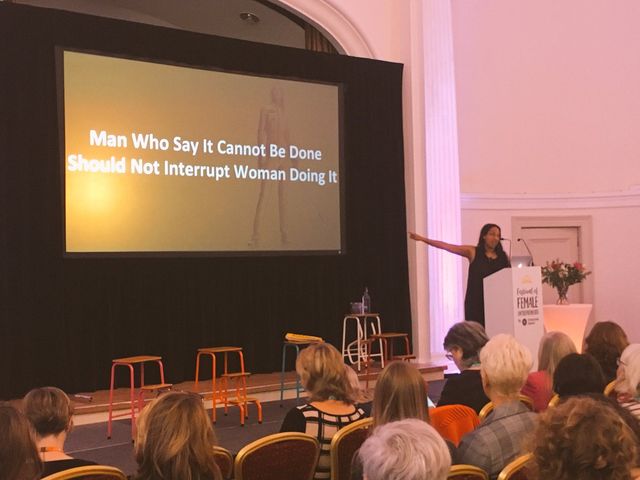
(49, 410)
(400, 393)
(175, 439)
(322, 373)
(554, 346)
(505, 364)
(630, 363)
(19, 459)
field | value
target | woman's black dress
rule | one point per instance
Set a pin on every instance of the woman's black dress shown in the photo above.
(482, 266)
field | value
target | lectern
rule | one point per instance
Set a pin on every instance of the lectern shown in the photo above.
(513, 305)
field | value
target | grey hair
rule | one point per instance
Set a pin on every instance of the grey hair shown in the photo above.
(630, 363)
(505, 364)
(470, 337)
(554, 346)
(408, 449)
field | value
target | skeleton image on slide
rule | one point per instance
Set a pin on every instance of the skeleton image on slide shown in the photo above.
(273, 128)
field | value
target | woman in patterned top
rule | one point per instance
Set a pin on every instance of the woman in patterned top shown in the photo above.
(331, 400)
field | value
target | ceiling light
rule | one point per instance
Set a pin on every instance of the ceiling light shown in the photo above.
(249, 17)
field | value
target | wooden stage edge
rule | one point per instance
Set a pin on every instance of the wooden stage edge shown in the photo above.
(264, 386)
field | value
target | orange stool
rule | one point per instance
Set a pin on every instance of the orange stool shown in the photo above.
(223, 394)
(241, 399)
(129, 362)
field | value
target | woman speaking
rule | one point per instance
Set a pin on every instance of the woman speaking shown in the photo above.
(485, 258)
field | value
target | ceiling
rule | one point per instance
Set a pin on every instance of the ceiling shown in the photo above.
(215, 17)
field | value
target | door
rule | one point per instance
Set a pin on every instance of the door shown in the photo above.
(550, 243)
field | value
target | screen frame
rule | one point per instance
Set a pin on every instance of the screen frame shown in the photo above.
(59, 51)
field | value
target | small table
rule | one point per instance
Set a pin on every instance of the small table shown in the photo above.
(570, 319)
(364, 323)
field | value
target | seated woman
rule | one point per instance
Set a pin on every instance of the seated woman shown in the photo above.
(408, 449)
(174, 440)
(331, 400)
(19, 458)
(50, 412)
(554, 346)
(628, 379)
(583, 439)
(578, 374)
(463, 343)
(605, 342)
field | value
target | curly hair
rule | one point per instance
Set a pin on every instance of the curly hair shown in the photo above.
(323, 375)
(583, 438)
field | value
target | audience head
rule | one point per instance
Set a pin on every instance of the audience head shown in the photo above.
(628, 377)
(554, 346)
(583, 439)
(175, 439)
(463, 341)
(19, 459)
(322, 373)
(578, 374)
(605, 342)
(400, 393)
(405, 450)
(504, 365)
(49, 410)
(359, 394)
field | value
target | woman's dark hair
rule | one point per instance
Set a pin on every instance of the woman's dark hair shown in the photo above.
(468, 336)
(605, 342)
(576, 374)
(485, 229)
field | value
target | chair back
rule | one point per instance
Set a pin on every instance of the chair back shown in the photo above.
(610, 390)
(89, 472)
(345, 444)
(488, 408)
(516, 470)
(467, 472)
(554, 400)
(224, 460)
(453, 421)
(278, 456)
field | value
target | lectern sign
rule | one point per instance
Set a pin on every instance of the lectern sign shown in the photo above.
(513, 305)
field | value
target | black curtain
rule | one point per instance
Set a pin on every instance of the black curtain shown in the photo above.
(63, 320)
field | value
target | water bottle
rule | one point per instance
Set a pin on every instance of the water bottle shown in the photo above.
(366, 301)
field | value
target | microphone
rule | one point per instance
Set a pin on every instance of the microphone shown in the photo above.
(528, 250)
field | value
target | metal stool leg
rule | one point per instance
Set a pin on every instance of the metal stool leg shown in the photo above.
(284, 356)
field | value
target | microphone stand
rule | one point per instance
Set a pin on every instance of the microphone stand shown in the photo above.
(528, 250)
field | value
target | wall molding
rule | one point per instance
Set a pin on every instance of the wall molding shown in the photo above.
(550, 201)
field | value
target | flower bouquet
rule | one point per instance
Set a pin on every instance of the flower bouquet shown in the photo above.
(562, 275)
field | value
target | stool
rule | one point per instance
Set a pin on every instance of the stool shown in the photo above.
(129, 362)
(387, 339)
(297, 346)
(212, 351)
(363, 322)
(241, 400)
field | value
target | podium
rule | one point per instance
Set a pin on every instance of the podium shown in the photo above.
(513, 305)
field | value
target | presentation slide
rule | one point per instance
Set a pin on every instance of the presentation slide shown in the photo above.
(165, 158)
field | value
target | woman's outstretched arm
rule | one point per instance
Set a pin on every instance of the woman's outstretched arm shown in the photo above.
(467, 251)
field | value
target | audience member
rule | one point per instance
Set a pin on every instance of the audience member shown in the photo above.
(18, 454)
(605, 342)
(331, 400)
(50, 412)
(174, 440)
(400, 393)
(408, 449)
(583, 439)
(578, 374)
(505, 364)
(628, 379)
(554, 346)
(362, 398)
(463, 343)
